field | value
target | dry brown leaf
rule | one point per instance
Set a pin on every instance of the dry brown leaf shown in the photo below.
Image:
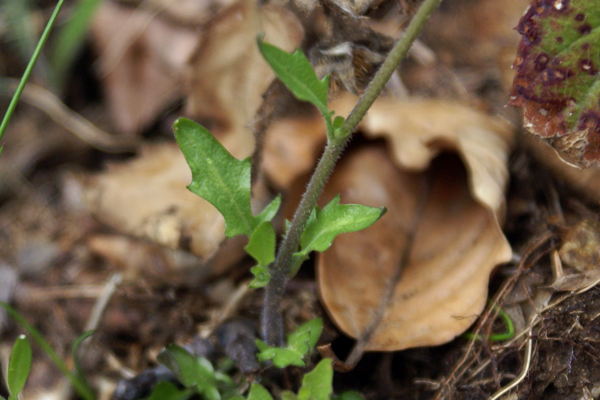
(227, 74)
(141, 62)
(581, 247)
(291, 148)
(457, 241)
(147, 197)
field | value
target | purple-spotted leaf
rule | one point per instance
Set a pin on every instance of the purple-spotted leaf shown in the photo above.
(556, 81)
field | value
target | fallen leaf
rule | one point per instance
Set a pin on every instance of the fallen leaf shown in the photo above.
(581, 246)
(291, 147)
(227, 74)
(445, 213)
(572, 282)
(147, 197)
(141, 62)
(556, 80)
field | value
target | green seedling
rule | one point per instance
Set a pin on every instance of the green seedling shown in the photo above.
(77, 381)
(497, 337)
(299, 344)
(316, 385)
(18, 367)
(224, 182)
(196, 374)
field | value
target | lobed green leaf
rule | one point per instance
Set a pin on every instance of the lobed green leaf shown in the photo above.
(334, 219)
(217, 176)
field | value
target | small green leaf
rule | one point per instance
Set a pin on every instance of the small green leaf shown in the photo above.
(258, 392)
(262, 248)
(183, 365)
(338, 123)
(75, 349)
(281, 356)
(269, 212)
(300, 343)
(262, 276)
(307, 334)
(333, 220)
(350, 395)
(217, 176)
(295, 71)
(19, 366)
(262, 244)
(210, 392)
(288, 395)
(168, 391)
(317, 384)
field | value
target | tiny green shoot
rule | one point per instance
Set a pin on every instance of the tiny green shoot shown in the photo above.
(78, 383)
(497, 337)
(18, 367)
(300, 343)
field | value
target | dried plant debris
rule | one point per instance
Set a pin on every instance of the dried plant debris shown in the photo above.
(556, 80)
(420, 275)
(581, 246)
(566, 357)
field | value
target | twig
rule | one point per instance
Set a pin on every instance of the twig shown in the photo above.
(524, 369)
(91, 325)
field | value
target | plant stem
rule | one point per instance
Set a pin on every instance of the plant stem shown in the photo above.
(36, 53)
(272, 323)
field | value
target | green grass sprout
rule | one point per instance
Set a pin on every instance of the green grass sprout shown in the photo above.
(36, 53)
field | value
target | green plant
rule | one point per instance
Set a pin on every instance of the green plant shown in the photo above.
(225, 181)
(299, 344)
(65, 49)
(18, 367)
(76, 377)
(196, 374)
(34, 57)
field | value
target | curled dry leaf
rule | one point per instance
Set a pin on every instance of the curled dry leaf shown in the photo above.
(141, 61)
(148, 198)
(227, 74)
(443, 216)
(556, 81)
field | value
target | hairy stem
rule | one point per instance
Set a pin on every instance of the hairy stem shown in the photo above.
(272, 323)
(29, 69)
